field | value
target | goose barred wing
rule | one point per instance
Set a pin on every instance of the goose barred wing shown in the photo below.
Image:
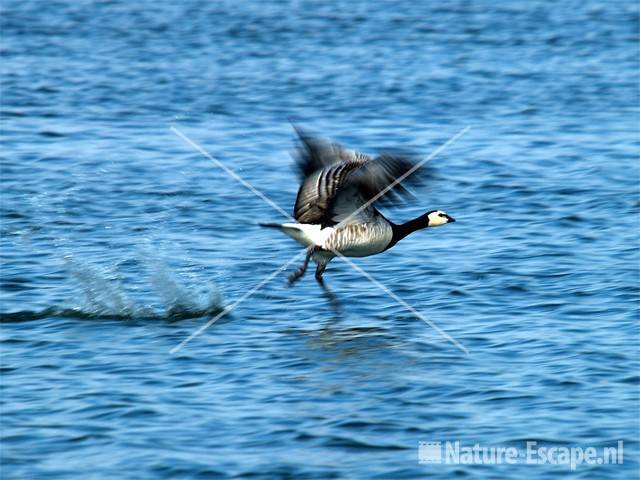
(335, 193)
(318, 191)
(323, 167)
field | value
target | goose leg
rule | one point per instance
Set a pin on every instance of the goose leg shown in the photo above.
(319, 271)
(300, 271)
(327, 291)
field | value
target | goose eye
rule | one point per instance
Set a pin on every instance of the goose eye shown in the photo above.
(441, 214)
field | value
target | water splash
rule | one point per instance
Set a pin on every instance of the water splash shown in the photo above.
(155, 293)
(183, 297)
(104, 294)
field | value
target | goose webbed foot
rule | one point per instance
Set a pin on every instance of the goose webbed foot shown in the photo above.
(319, 271)
(295, 276)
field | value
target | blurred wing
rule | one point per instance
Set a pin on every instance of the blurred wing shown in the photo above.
(314, 154)
(336, 181)
(345, 205)
(372, 180)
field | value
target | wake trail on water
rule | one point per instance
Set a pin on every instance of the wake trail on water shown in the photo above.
(155, 293)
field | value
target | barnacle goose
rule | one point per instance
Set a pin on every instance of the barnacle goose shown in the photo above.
(335, 210)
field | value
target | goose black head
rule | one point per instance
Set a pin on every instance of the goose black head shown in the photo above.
(435, 218)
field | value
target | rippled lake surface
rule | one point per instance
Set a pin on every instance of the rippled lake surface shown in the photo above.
(120, 239)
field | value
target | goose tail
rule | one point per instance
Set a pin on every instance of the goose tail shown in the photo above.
(305, 234)
(270, 225)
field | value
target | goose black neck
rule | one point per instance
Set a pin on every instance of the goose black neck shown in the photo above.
(404, 229)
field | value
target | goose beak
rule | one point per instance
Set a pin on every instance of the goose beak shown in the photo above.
(450, 219)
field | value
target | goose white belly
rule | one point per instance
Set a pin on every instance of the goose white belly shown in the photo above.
(356, 240)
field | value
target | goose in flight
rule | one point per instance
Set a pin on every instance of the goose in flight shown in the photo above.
(335, 207)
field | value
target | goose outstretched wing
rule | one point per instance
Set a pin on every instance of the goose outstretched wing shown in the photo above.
(337, 182)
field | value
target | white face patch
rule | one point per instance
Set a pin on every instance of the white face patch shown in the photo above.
(438, 218)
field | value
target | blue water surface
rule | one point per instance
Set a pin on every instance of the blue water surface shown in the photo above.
(120, 239)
